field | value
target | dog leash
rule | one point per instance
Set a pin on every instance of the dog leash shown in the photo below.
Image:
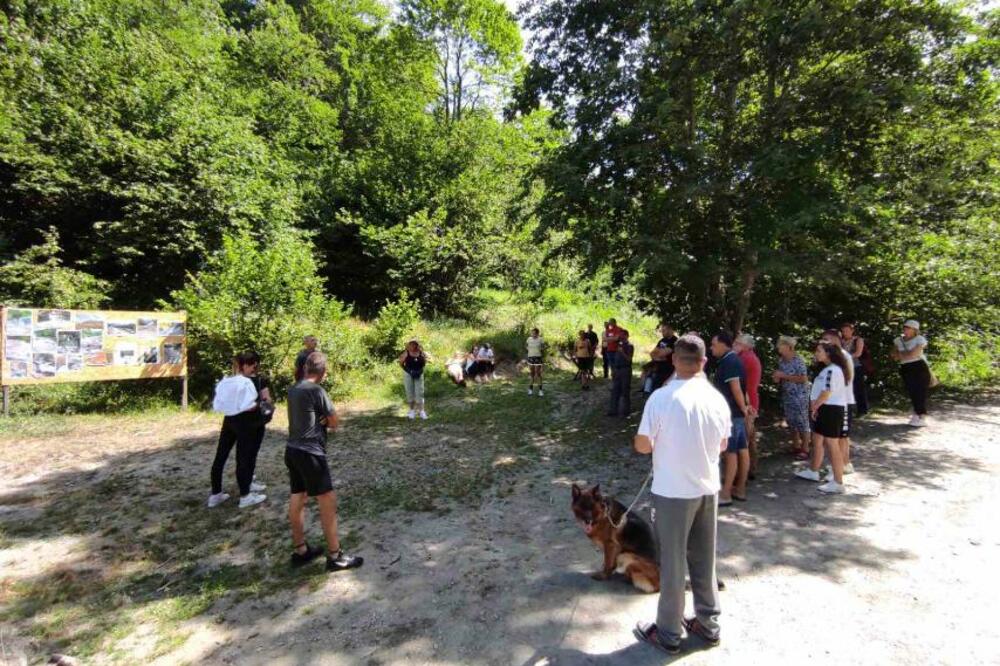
(630, 506)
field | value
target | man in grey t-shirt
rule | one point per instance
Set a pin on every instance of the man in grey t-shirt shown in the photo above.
(310, 414)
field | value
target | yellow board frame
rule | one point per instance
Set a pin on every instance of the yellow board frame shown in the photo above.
(125, 338)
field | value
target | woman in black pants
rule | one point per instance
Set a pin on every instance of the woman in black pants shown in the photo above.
(240, 397)
(855, 346)
(916, 373)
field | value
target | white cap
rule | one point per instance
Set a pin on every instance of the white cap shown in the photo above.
(912, 323)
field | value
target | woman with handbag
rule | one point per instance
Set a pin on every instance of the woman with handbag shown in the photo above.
(913, 366)
(245, 400)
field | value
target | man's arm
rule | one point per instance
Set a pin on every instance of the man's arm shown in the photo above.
(737, 390)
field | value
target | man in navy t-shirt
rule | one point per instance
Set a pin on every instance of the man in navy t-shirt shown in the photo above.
(731, 381)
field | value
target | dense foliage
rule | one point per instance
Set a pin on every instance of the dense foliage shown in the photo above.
(773, 166)
(144, 132)
(781, 163)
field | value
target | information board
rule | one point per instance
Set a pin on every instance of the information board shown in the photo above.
(43, 346)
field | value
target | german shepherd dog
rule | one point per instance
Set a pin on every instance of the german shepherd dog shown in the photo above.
(630, 549)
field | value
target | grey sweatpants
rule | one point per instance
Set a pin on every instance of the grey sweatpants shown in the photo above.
(621, 391)
(685, 530)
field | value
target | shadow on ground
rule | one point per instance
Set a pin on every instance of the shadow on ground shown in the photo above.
(464, 520)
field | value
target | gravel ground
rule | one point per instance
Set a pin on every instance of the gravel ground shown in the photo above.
(892, 573)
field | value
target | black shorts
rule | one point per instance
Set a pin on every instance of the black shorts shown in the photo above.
(307, 472)
(831, 421)
(585, 363)
(534, 360)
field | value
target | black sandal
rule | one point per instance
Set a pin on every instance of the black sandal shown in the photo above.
(696, 628)
(647, 633)
(300, 559)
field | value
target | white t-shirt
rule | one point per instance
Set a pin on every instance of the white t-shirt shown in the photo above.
(688, 422)
(234, 395)
(534, 346)
(830, 378)
(910, 345)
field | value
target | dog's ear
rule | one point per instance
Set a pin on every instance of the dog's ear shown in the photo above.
(576, 491)
(596, 491)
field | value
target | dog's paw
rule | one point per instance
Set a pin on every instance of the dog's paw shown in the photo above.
(599, 575)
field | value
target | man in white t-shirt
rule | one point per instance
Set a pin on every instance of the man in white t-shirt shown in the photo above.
(685, 425)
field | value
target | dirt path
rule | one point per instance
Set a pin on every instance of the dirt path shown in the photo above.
(894, 573)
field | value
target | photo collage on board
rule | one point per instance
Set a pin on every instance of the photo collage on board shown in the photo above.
(49, 343)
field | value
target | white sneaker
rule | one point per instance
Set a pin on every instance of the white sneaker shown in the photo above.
(848, 469)
(914, 420)
(256, 486)
(217, 499)
(831, 488)
(251, 499)
(423, 415)
(921, 422)
(530, 392)
(540, 393)
(807, 474)
(411, 414)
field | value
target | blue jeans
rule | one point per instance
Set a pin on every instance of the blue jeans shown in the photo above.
(737, 436)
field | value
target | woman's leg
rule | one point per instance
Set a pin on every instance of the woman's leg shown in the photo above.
(246, 452)
(921, 385)
(906, 372)
(410, 393)
(418, 390)
(227, 438)
(816, 462)
(861, 390)
(836, 459)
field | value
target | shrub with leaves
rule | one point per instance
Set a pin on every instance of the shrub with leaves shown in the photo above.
(395, 320)
(263, 294)
(37, 277)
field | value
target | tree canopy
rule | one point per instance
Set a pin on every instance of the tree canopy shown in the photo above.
(752, 165)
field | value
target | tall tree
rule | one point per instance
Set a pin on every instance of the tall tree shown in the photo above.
(719, 144)
(477, 46)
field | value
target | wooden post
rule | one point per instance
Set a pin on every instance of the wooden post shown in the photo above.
(6, 401)
(184, 393)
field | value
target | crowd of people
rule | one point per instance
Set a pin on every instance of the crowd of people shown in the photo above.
(689, 423)
(699, 422)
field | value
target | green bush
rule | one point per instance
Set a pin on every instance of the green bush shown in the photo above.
(36, 277)
(263, 294)
(386, 337)
(966, 359)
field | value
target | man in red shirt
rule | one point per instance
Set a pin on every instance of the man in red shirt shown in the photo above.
(612, 335)
(744, 348)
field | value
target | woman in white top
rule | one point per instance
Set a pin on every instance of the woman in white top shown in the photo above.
(484, 363)
(456, 368)
(909, 351)
(536, 349)
(828, 409)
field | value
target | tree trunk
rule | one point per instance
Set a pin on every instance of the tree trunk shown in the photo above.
(750, 273)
